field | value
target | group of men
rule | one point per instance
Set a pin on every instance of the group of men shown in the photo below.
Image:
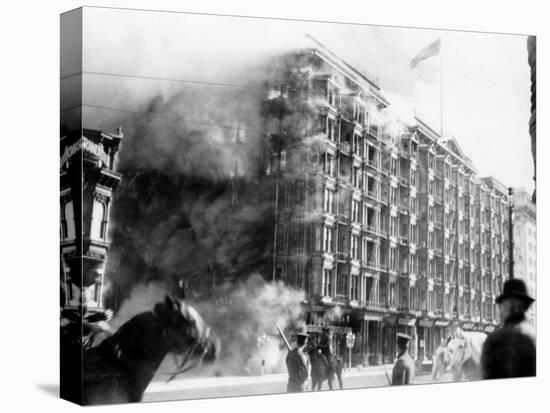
(508, 352)
(297, 361)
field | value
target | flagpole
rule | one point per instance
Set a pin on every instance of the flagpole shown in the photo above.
(441, 89)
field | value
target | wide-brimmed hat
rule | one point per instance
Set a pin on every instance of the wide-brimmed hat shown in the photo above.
(302, 332)
(514, 288)
(403, 339)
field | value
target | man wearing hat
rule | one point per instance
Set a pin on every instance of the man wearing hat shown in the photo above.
(403, 369)
(296, 363)
(325, 347)
(511, 350)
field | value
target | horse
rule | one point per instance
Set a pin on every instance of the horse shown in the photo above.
(465, 355)
(441, 362)
(119, 368)
(321, 370)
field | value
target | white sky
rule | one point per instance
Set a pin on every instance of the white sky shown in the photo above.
(486, 77)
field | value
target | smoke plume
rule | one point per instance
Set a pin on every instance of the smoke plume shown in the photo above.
(246, 311)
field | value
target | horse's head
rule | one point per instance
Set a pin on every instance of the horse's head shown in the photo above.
(186, 333)
(459, 352)
(441, 362)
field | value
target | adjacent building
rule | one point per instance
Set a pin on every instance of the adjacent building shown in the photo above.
(525, 244)
(387, 227)
(88, 178)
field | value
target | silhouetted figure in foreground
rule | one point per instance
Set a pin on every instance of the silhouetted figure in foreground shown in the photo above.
(511, 350)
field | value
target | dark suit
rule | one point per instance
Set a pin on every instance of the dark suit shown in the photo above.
(403, 370)
(509, 352)
(297, 370)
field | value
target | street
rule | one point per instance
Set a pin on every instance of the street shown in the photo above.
(255, 385)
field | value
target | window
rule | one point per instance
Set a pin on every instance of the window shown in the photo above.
(393, 166)
(332, 95)
(431, 213)
(413, 234)
(372, 186)
(98, 219)
(372, 156)
(358, 112)
(355, 209)
(327, 282)
(354, 287)
(355, 247)
(393, 259)
(357, 148)
(317, 238)
(413, 206)
(328, 239)
(69, 227)
(332, 130)
(356, 177)
(329, 201)
(393, 195)
(393, 226)
(431, 161)
(329, 166)
(371, 254)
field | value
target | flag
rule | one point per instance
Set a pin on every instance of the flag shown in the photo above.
(431, 50)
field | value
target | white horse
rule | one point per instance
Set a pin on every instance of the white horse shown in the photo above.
(465, 355)
(441, 362)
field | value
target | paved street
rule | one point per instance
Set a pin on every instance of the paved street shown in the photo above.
(254, 385)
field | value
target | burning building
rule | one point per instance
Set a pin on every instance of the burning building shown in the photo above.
(311, 181)
(386, 226)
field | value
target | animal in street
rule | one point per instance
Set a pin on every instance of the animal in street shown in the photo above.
(119, 368)
(324, 370)
(441, 363)
(465, 355)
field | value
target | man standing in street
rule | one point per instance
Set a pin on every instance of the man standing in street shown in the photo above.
(403, 369)
(511, 350)
(296, 363)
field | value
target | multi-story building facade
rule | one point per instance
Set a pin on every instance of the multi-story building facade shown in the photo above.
(525, 244)
(386, 229)
(88, 178)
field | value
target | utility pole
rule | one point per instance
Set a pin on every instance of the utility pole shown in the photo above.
(511, 233)
(276, 216)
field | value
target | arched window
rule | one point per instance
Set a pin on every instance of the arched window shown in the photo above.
(98, 212)
(69, 225)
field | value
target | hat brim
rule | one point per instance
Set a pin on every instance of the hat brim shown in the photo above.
(523, 297)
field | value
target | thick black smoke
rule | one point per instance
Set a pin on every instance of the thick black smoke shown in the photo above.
(192, 208)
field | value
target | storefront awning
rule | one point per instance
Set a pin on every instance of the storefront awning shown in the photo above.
(441, 323)
(425, 323)
(373, 317)
(406, 321)
(468, 325)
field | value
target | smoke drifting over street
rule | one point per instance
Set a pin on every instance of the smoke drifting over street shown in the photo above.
(245, 311)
